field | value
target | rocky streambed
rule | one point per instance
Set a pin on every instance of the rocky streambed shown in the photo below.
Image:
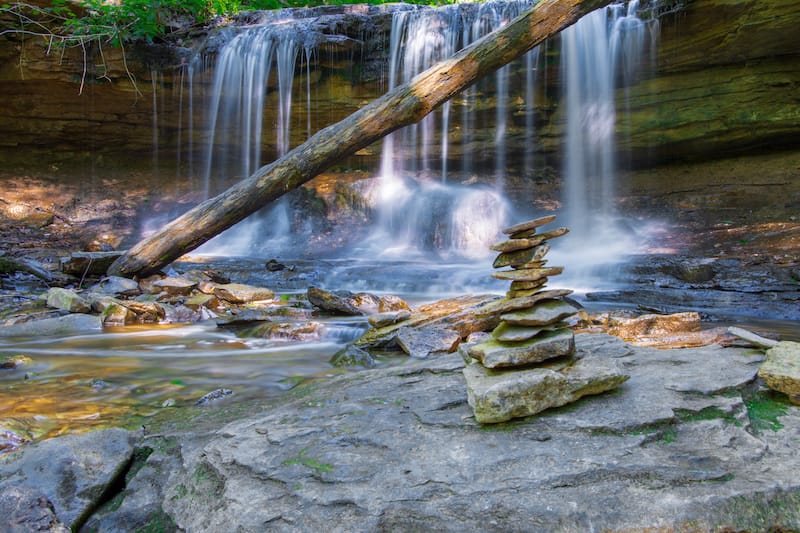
(691, 441)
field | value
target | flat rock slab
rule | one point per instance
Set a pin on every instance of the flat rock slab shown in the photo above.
(399, 449)
(423, 342)
(506, 333)
(88, 263)
(781, 370)
(238, 293)
(512, 245)
(542, 314)
(71, 324)
(528, 274)
(497, 396)
(529, 225)
(521, 257)
(507, 305)
(548, 345)
(67, 475)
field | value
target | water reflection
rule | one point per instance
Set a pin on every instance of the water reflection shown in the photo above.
(116, 376)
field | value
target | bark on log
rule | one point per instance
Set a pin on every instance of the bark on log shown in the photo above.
(404, 105)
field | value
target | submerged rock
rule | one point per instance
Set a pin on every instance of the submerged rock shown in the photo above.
(781, 370)
(353, 356)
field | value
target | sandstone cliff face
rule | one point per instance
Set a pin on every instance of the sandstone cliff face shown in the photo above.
(726, 82)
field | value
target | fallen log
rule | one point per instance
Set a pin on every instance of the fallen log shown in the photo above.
(404, 105)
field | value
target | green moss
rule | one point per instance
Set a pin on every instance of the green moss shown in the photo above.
(669, 435)
(764, 409)
(159, 522)
(314, 464)
(707, 413)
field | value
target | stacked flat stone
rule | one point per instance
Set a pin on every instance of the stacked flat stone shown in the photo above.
(526, 364)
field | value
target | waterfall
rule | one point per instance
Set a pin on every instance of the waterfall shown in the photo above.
(600, 53)
(422, 209)
(440, 187)
(237, 131)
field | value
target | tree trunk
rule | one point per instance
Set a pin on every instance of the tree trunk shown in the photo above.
(404, 105)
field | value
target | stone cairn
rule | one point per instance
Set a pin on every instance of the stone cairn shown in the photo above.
(528, 363)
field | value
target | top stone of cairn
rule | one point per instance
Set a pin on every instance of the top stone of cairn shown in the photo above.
(529, 227)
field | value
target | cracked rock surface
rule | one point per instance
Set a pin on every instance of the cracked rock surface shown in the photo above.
(679, 445)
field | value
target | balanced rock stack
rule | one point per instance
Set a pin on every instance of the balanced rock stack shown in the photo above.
(528, 364)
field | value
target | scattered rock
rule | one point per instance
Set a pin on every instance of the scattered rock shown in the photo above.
(173, 286)
(781, 370)
(10, 441)
(238, 293)
(340, 302)
(197, 301)
(213, 397)
(10, 265)
(388, 318)
(463, 314)
(353, 356)
(274, 266)
(13, 362)
(288, 331)
(72, 324)
(390, 302)
(423, 342)
(116, 314)
(648, 327)
(67, 300)
(116, 286)
(88, 263)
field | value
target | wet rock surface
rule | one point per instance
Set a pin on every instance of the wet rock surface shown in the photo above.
(677, 445)
(54, 485)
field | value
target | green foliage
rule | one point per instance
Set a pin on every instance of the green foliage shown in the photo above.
(121, 21)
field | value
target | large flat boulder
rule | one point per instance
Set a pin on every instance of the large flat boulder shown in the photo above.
(399, 449)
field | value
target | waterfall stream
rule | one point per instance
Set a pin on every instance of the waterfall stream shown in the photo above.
(439, 190)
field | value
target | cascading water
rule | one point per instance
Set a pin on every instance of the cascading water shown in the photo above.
(600, 53)
(236, 116)
(440, 186)
(422, 211)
